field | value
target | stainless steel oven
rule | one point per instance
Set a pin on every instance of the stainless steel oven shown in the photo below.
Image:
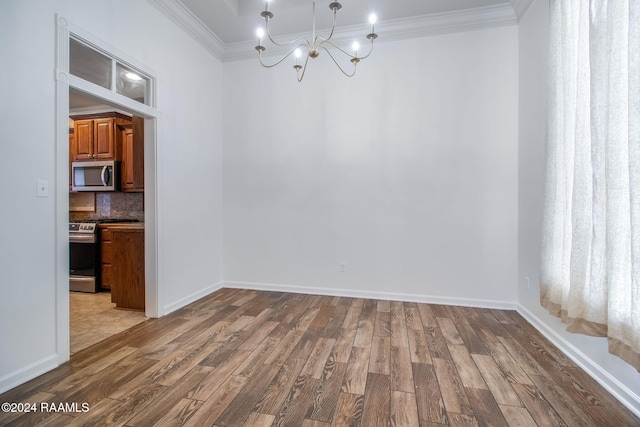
(84, 257)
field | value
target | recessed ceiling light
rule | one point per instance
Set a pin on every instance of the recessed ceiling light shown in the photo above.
(132, 76)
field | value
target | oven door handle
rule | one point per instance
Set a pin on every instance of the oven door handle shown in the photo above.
(103, 175)
(82, 238)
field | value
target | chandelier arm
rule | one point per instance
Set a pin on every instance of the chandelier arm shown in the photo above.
(333, 28)
(299, 77)
(321, 45)
(369, 53)
(338, 65)
(279, 61)
(299, 39)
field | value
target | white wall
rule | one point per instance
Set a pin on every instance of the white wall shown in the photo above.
(590, 352)
(189, 170)
(407, 172)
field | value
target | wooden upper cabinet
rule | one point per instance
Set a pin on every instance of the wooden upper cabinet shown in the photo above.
(72, 155)
(132, 170)
(104, 143)
(95, 136)
(111, 136)
(127, 155)
(83, 140)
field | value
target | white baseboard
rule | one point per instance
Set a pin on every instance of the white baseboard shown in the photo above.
(427, 299)
(627, 397)
(28, 373)
(176, 305)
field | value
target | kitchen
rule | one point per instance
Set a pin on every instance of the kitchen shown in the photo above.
(106, 221)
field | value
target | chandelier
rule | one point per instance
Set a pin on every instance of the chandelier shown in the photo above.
(311, 47)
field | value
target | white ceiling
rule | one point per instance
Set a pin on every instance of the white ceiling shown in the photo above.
(235, 21)
(227, 27)
(79, 100)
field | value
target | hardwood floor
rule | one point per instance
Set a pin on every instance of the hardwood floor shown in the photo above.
(250, 358)
(93, 318)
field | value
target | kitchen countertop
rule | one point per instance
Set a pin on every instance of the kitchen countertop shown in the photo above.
(123, 225)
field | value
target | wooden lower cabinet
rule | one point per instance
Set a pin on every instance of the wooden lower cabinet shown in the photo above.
(122, 254)
(106, 257)
(127, 287)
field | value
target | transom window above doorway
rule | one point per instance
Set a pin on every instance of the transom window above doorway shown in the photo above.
(97, 67)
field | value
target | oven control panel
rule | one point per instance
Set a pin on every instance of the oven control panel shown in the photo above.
(84, 227)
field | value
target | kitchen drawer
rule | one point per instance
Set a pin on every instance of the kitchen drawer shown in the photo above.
(107, 252)
(107, 274)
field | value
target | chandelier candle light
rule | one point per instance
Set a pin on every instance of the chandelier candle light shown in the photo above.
(311, 47)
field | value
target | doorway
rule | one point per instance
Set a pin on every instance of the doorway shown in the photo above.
(93, 317)
(97, 95)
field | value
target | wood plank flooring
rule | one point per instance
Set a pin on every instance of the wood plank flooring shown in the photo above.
(251, 358)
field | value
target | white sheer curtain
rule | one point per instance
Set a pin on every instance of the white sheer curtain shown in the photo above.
(591, 245)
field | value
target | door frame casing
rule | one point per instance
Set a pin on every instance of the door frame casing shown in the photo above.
(65, 81)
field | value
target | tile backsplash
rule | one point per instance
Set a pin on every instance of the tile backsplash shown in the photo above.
(115, 205)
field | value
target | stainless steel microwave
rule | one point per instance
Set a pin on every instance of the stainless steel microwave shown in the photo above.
(103, 175)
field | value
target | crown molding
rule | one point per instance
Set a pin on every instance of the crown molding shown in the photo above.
(399, 29)
(520, 7)
(185, 19)
(449, 22)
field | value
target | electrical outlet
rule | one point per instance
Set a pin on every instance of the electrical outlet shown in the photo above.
(527, 282)
(342, 266)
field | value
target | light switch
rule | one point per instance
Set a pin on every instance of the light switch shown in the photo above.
(43, 188)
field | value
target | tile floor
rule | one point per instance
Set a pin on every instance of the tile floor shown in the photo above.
(93, 318)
